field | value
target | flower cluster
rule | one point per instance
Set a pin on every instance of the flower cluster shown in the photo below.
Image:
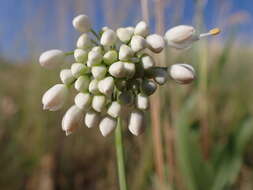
(114, 73)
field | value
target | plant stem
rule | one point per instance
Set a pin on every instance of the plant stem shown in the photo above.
(120, 156)
(95, 34)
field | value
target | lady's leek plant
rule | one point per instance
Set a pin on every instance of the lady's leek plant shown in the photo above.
(114, 74)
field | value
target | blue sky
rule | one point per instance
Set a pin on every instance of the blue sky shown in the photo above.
(28, 26)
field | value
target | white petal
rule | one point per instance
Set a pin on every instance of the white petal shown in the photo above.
(92, 119)
(98, 103)
(108, 38)
(155, 43)
(83, 100)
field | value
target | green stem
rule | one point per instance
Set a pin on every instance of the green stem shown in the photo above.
(95, 34)
(94, 42)
(69, 53)
(120, 156)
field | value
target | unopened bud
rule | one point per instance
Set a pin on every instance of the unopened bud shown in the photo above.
(94, 57)
(182, 73)
(66, 76)
(125, 52)
(129, 69)
(107, 125)
(117, 69)
(124, 34)
(110, 57)
(92, 119)
(142, 102)
(155, 43)
(93, 86)
(80, 55)
(98, 103)
(136, 122)
(114, 109)
(83, 100)
(138, 43)
(106, 86)
(141, 29)
(82, 23)
(84, 42)
(72, 119)
(108, 38)
(54, 98)
(82, 83)
(147, 62)
(78, 69)
(52, 58)
(99, 71)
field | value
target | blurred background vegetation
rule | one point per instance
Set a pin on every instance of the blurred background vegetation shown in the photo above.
(199, 138)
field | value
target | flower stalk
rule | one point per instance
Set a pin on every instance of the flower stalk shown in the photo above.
(120, 155)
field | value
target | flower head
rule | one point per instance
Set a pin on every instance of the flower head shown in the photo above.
(114, 74)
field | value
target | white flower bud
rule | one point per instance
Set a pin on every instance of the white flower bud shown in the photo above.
(131, 29)
(82, 83)
(54, 98)
(148, 87)
(83, 100)
(124, 34)
(104, 28)
(107, 125)
(125, 52)
(138, 43)
(142, 102)
(95, 57)
(136, 122)
(117, 69)
(147, 62)
(129, 69)
(108, 38)
(79, 69)
(114, 109)
(106, 86)
(155, 43)
(93, 87)
(66, 76)
(80, 55)
(99, 71)
(97, 49)
(181, 37)
(182, 73)
(82, 23)
(98, 103)
(72, 119)
(92, 119)
(110, 57)
(51, 58)
(141, 29)
(160, 75)
(84, 42)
